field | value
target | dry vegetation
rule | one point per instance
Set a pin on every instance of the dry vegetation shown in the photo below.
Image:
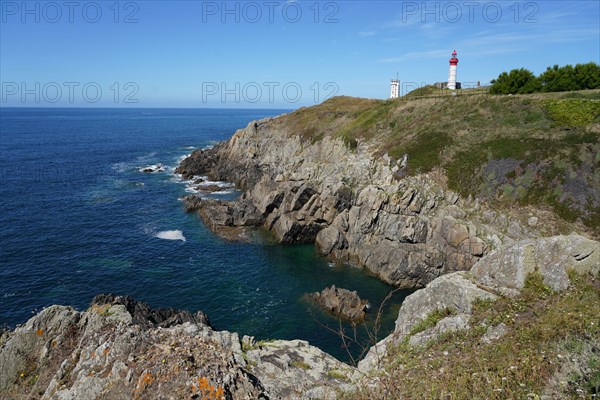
(552, 347)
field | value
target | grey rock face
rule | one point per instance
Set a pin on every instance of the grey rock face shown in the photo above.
(350, 204)
(453, 291)
(123, 349)
(295, 370)
(507, 268)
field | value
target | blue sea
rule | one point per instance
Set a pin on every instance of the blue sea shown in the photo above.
(78, 217)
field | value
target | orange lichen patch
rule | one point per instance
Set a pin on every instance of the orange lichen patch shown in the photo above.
(105, 351)
(92, 354)
(39, 332)
(207, 390)
(145, 380)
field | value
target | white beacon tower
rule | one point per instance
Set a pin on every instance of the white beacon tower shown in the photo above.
(395, 88)
(452, 74)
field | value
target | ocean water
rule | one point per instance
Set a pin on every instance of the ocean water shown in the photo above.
(78, 217)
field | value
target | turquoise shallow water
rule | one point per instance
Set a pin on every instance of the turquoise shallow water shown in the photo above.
(78, 218)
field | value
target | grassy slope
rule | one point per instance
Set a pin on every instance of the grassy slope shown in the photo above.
(551, 347)
(541, 150)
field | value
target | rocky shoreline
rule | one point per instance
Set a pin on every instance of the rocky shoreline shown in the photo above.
(351, 204)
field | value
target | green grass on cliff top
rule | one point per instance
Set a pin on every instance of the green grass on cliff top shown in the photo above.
(555, 138)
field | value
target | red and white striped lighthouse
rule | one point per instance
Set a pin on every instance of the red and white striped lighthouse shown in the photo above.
(452, 74)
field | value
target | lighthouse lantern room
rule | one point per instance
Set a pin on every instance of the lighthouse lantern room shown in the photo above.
(452, 74)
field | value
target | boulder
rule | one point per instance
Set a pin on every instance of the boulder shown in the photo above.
(296, 370)
(330, 239)
(453, 291)
(342, 302)
(449, 324)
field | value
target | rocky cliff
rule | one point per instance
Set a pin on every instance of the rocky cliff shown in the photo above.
(351, 203)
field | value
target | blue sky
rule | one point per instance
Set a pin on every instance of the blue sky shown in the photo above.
(273, 54)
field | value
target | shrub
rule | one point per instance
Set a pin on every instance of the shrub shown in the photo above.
(516, 81)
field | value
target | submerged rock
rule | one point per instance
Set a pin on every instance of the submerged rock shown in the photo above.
(342, 302)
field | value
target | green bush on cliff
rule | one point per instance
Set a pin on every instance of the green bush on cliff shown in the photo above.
(554, 79)
(517, 81)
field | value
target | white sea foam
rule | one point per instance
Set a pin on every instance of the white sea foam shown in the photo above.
(146, 156)
(183, 157)
(223, 192)
(152, 168)
(171, 235)
(120, 167)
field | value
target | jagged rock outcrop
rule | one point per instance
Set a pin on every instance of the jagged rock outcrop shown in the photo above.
(342, 302)
(227, 219)
(350, 203)
(122, 349)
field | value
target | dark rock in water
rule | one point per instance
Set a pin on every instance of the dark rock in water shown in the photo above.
(227, 219)
(153, 168)
(147, 317)
(198, 163)
(209, 188)
(198, 181)
(192, 203)
(342, 302)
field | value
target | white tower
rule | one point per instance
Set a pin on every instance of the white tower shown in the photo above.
(395, 88)
(452, 74)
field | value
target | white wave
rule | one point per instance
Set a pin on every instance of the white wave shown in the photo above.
(171, 235)
(120, 167)
(221, 184)
(146, 156)
(226, 191)
(183, 157)
(152, 168)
